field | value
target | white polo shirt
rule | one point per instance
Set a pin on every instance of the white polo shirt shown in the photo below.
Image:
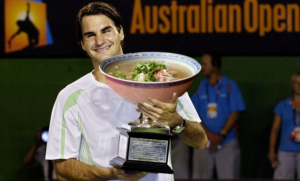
(84, 119)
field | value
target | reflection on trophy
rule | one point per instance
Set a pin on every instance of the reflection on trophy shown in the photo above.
(144, 122)
(144, 144)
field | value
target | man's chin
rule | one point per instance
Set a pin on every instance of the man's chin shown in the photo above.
(103, 58)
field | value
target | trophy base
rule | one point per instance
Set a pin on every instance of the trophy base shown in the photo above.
(143, 150)
(141, 166)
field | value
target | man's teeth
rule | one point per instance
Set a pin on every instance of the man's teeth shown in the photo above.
(101, 49)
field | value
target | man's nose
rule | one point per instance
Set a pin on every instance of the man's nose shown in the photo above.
(99, 39)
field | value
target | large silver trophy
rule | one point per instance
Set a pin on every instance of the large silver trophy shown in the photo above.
(144, 144)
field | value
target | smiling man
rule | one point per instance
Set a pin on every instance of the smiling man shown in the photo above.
(101, 39)
(83, 137)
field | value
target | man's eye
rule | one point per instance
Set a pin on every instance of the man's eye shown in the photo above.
(89, 36)
(106, 31)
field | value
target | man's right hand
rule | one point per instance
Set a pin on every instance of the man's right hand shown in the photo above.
(129, 176)
(215, 141)
(273, 159)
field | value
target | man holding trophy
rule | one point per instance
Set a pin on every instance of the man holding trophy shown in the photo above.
(83, 138)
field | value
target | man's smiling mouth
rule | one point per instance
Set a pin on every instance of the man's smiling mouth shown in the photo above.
(103, 49)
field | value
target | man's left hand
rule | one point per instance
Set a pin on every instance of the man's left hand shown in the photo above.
(161, 111)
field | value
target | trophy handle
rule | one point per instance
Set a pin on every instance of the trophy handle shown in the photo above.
(161, 124)
(145, 122)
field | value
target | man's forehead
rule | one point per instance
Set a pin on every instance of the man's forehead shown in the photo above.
(99, 20)
(205, 57)
(297, 77)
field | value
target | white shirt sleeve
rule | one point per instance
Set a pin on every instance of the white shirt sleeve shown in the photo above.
(64, 131)
(186, 109)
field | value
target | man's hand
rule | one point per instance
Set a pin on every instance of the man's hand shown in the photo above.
(38, 136)
(162, 112)
(215, 141)
(273, 159)
(73, 169)
(193, 134)
(128, 175)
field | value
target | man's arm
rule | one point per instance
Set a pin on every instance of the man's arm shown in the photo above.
(216, 138)
(31, 152)
(273, 139)
(193, 134)
(233, 117)
(12, 37)
(72, 169)
(27, 12)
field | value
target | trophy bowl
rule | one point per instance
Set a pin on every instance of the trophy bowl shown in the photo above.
(143, 144)
(135, 92)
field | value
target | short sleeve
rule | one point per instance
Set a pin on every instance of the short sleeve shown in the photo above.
(279, 109)
(196, 99)
(236, 98)
(186, 109)
(64, 131)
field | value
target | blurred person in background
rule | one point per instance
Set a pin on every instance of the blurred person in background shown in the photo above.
(37, 154)
(83, 135)
(181, 159)
(218, 102)
(287, 122)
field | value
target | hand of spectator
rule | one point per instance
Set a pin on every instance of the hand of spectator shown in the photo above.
(38, 138)
(273, 159)
(162, 112)
(215, 141)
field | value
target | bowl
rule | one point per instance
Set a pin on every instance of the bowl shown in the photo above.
(135, 92)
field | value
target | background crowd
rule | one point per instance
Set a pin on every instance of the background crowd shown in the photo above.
(221, 158)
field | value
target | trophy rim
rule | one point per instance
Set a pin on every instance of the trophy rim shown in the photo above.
(167, 55)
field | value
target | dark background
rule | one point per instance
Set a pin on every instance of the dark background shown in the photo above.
(31, 79)
(61, 17)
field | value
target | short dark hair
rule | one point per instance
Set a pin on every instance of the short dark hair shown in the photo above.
(296, 74)
(216, 59)
(292, 79)
(98, 8)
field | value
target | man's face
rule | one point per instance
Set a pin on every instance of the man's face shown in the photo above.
(101, 39)
(296, 85)
(207, 67)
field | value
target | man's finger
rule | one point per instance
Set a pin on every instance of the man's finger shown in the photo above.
(156, 102)
(149, 116)
(144, 106)
(174, 98)
(160, 104)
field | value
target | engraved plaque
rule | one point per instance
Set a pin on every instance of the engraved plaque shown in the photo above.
(148, 150)
(143, 151)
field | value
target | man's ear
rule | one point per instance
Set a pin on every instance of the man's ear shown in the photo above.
(82, 46)
(122, 33)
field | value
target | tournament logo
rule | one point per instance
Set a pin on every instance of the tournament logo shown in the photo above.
(26, 25)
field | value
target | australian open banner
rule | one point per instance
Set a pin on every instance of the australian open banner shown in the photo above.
(46, 28)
